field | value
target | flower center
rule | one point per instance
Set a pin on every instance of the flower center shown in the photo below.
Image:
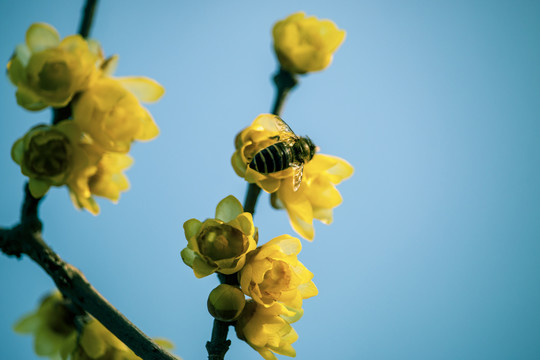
(47, 155)
(54, 76)
(221, 242)
(276, 280)
(61, 320)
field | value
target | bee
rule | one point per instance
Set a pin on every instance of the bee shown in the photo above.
(290, 150)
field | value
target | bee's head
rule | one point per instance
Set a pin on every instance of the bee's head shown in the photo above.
(311, 149)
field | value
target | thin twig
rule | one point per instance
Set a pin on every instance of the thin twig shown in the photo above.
(218, 345)
(87, 18)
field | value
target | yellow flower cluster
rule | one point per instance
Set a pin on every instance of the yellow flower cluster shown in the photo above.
(317, 195)
(57, 337)
(270, 274)
(87, 152)
(306, 44)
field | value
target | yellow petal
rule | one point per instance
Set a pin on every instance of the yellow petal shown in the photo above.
(164, 343)
(228, 209)
(188, 256)
(266, 354)
(92, 340)
(308, 290)
(23, 53)
(28, 100)
(244, 222)
(148, 129)
(305, 229)
(191, 228)
(46, 343)
(109, 65)
(41, 36)
(287, 244)
(15, 70)
(324, 215)
(17, 151)
(145, 89)
(202, 269)
(340, 171)
(323, 194)
(27, 324)
(295, 202)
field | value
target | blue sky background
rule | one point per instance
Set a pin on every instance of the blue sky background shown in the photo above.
(435, 251)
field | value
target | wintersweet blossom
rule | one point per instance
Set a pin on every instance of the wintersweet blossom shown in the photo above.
(272, 274)
(317, 195)
(111, 113)
(48, 71)
(267, 329)
(52, 326)
(50, 155)
(305, 44)
(220, 244)
(105, 178)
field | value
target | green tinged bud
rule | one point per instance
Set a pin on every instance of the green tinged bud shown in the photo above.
(226, 302)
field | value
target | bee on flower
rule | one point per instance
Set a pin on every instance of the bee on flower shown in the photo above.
(315, 196)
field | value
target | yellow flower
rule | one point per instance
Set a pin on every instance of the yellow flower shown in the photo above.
(267, 329)
(49, 155)
(317, 194)
(305, 44)
(110, 112)
(272, 273)
(47, 71)
(98, 343)
(220, 244)
(259, 135)
(105, 179)
(53, 327)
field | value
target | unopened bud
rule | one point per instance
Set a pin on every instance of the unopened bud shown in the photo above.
(226, 302)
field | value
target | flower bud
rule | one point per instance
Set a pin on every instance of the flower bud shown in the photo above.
(306, 44)
(226, 302)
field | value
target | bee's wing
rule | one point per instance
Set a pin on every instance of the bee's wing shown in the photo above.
(285, 132)
(297, 177)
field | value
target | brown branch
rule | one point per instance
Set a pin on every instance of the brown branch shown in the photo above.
(25, 238)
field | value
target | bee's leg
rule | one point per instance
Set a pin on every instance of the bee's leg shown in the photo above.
(274, 137)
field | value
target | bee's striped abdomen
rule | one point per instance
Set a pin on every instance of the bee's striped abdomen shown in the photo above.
(274, 158)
